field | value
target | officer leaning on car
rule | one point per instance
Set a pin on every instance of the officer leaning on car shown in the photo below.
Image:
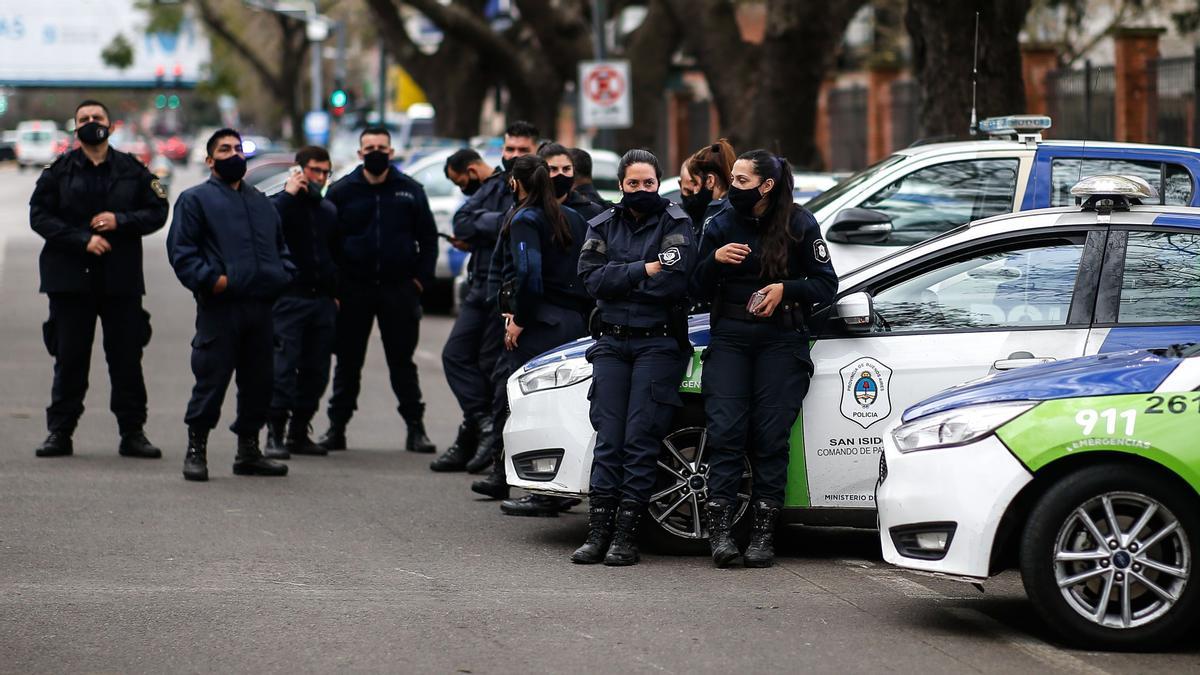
(763, 266)
(93, 205)
(305, 315)
(635, 262)
(227, 247)
(564, 174)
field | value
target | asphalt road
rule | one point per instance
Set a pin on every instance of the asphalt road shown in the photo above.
(365, 561)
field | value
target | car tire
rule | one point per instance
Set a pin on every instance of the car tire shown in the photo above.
(1069, 562)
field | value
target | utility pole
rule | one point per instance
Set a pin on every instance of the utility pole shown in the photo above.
(600, 52)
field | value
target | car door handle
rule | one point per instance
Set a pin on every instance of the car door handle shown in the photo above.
(1022, 362)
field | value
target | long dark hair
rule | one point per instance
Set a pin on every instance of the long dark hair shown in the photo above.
(716, 159)
(777, 230)
(533, 174)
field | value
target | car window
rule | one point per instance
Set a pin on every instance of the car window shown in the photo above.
(1066, 172)
(842, 187)
(433, 178)
(35, 136)
(1162, 278)
(604, 175)
(939, 198)
(1029, 286)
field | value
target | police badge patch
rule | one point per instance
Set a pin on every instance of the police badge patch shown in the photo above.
(866, 392)
(669, 257)
(821, 251)
(158, 189)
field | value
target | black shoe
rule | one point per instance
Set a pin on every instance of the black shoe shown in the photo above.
(495, 485)
(761, 551)
(276, 424)
(250, 462)
(417, 440)
(623, 550)
(602, 515)
(135, 444)
(297, 441)
(334, 438)
(537, 506)
(455, 457)
(195, 463)
(57, 444)
(486, 446)
(720, 533)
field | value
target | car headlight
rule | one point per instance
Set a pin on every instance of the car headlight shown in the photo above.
(956, 427)
(554, 375)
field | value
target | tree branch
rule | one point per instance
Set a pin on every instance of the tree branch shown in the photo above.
(562, 29)
(215, 23)
(456, 20)
(397, 39)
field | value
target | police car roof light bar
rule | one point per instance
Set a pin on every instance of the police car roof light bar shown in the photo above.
(1106, 193)
(1024, 128)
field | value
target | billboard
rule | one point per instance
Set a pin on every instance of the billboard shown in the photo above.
(58, 44)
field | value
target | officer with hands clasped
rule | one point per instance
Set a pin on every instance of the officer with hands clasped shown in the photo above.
(635, 262)
(227, 247)
(93, 205)
(306, 314)
(763, 266)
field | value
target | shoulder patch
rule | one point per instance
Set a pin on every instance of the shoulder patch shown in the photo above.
(670, 256)
(821, 251)
(157, 187)
(676, 211)
(602, 217)
(597, 245)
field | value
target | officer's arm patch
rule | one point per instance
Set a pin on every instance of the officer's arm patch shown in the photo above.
(597, 245)
(670, 256)
(821, 251)
(674, 240)
(157, 187)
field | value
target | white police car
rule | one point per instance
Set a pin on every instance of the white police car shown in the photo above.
(998, 294)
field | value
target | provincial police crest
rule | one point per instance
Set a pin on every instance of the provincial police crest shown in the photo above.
(866, 397)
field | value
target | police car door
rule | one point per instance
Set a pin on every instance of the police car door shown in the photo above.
(1011, 300)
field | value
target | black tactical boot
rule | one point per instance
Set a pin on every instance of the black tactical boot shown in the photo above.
(195, 463)
(485, 446)
(418, 440)
(250, 462)
(57, 444)
(276, 424)
(334, 438)
(495, 485)
(602, 515)
(455, 457)
(135, 444)
(297, 441)
(623, 550)
(537, 506)
(761, 551)
(720, 533)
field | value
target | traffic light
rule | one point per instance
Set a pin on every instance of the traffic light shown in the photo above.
(173, 102)
(337, 102)
(160, 101)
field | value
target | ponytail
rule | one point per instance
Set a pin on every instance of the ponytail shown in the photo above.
(777, 231)
(533, 174)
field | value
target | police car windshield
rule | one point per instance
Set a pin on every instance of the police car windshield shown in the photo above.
(832, 194)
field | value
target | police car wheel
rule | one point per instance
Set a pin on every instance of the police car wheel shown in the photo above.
(1108, 558)
(676, 518)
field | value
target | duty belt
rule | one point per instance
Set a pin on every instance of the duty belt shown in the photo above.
(789, 314)
(624, 332)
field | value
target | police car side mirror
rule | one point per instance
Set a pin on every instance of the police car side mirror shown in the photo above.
(856, 311)
(860, 226)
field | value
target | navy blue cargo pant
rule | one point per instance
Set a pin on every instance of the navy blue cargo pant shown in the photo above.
(233, 335)
(755, 378)
(304, 335)
(635, 395)
(68, 335)
(471, 351)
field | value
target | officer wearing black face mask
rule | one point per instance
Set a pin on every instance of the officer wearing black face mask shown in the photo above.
(227, 247)
(562, 175)
(93, 205)
(764, 267)
(305, 316)
(635, 262)
(704, 183)
(388, 249)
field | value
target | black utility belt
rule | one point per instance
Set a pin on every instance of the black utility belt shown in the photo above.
(790, 314)
(624, 332)
(302, 292)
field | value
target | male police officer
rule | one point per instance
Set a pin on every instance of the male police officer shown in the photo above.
(306, 315)
(581, 160)
(93, 205)
(227, 247)
(388, 244)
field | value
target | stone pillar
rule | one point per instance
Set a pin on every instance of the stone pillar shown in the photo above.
(824, 139)
(879, 111)
(1135, 92)
(1037, 61)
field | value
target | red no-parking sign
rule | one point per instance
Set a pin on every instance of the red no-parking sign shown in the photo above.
(604, 98)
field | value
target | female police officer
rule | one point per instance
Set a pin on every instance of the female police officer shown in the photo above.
(763, 265)
(704, 183)
(636, 263)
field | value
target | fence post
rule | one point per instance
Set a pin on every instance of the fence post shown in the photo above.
(880, 135)
(1135, 49)
(1195, 140)
(1087, 99)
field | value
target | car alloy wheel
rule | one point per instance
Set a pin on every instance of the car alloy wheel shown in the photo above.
(681, 492)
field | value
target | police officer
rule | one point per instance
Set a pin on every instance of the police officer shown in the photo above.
(227, 247)
(763, 266)
(581, 162)
(636, 263)
(306, 314)
(388, 244)
(704, 183)
(93, 205)
(562, 173)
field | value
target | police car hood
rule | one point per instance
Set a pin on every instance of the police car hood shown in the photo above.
(1131, 372)
(697, 333)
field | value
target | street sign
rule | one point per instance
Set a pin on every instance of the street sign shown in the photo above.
(605, 101)
(316, 127)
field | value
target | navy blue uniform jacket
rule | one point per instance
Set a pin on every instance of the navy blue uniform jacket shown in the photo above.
(543, 271)
(310, 231)
(478, 222)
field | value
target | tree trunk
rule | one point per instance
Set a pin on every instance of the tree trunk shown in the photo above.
(650, 47)
(456, 86)
(943, 37)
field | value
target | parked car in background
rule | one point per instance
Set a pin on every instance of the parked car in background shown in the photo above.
(35, 144)
(806, 186)
(173, 148)
(125, 139)
(8, 145)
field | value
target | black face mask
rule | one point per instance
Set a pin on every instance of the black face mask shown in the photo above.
(376, 162)
(643, 202)
(562, 185)
(744, 201)
(92, 133)
(231, 169)
(507, 163)
(697, 203)
(472, 186)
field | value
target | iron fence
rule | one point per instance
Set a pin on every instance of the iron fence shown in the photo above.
(906, 125)
(1081, 103)
(848, 128)
(1173, 100)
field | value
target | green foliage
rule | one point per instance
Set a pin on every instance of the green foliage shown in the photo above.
(165, 17)
(118, 53)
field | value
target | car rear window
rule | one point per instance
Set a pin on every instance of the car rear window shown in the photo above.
(1173, 181)
(1162, 278)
